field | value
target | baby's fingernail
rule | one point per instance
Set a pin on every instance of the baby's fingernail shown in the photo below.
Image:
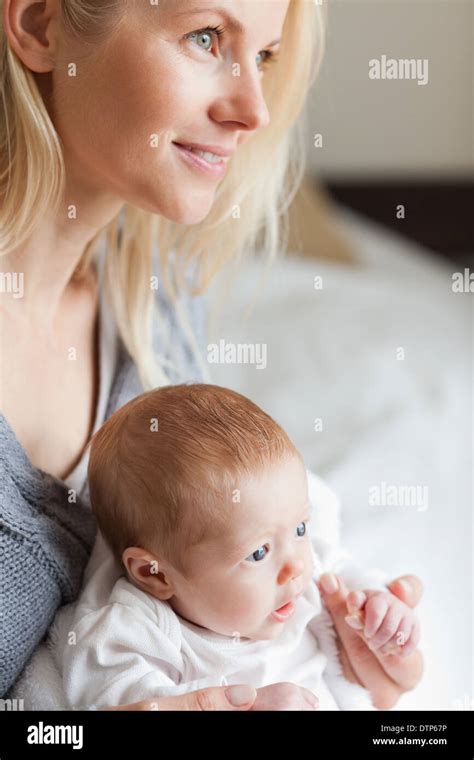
(356, 602)
(354, 622)
(329, 583)
(405, 586)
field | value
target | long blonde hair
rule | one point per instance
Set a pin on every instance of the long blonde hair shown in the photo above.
(249, 211)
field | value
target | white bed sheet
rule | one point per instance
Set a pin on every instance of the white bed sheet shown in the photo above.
(332, 354)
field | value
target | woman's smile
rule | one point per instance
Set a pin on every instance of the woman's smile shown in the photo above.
(207, 163)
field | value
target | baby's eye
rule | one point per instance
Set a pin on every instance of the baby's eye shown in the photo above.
(301, 529)
(258, 555)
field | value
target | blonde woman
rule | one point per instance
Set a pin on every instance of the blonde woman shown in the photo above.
(142, 145)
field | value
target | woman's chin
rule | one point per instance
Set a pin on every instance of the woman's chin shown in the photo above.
(193, 217)
(182, 213)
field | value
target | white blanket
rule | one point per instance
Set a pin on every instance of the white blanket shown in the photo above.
(334, 354)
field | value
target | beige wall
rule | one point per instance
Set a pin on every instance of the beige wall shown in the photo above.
(395, 128)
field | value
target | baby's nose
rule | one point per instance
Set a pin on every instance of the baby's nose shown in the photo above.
(291, 569)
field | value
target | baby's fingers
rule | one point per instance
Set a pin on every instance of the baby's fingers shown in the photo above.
(355, 601)
(387, 629)
(375, 611)
(404, 667)
(413, 640)
(400, 640)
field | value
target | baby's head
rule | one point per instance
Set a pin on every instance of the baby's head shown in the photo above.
(204, 498)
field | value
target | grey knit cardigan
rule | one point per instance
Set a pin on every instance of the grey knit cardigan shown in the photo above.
(45, 541)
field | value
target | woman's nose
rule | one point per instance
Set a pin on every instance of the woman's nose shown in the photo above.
(291, 569)
(242, 102)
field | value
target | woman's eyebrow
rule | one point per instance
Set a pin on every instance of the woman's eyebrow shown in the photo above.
(231, 20)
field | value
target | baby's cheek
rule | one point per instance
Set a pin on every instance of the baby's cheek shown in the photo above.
(242, 606)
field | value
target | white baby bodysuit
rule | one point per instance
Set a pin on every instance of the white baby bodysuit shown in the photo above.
(137, 647)
(123, 645)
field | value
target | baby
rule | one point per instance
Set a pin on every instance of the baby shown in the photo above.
(203, 500)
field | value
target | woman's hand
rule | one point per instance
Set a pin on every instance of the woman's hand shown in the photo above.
(277, 696)
(238, 697)
(387, 677)
(285, 696)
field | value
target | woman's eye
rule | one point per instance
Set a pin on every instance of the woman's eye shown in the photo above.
(263, 58)
(206, 36)
(258, 555)
(301, 529)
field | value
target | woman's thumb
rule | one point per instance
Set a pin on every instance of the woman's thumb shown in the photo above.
(236, 697)
(241, 696)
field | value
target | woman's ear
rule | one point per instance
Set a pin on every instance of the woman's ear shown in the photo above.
(147, 572)
(31, 29)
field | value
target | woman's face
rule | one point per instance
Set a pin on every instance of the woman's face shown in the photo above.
(165, 78)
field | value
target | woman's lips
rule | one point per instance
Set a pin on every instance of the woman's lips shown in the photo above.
(194, 161)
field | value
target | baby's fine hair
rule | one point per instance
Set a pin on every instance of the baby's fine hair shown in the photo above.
(164, 468)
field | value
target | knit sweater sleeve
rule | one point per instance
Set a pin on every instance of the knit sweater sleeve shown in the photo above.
(44, 544)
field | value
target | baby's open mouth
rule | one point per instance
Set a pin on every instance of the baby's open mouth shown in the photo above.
(284, 612)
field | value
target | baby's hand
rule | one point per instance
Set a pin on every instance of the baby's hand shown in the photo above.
(388, 625)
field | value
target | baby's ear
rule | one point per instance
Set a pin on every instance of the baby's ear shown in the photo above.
(145, 570)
